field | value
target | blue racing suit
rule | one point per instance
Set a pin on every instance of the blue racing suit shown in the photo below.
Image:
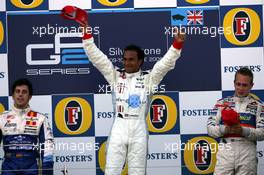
(27, 137)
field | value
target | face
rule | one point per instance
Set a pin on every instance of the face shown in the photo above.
(21, 96)
(131, 61)
(242, 85)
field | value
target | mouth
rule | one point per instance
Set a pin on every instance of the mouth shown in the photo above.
(20, 100)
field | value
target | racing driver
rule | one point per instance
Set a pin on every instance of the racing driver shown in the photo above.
(26, 135)
(131, 97)
(239, 121)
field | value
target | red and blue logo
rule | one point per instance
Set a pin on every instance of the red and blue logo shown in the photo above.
(73, 115)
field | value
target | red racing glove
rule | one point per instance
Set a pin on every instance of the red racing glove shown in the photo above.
(75, 13)
(230, 117)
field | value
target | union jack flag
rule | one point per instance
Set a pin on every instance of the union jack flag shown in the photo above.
(194, 17)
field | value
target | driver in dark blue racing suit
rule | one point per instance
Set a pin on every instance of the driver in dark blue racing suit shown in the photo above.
(26, 135)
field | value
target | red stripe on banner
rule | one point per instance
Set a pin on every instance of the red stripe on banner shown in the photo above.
(247, 125)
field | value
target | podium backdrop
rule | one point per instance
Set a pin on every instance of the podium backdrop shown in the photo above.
(223, 35)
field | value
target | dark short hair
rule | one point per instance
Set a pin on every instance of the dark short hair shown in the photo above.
(140, 52)
(20, 82)
(246, 72)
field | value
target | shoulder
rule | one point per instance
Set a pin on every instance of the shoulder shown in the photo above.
(255, 101)
(33, 113)
(4, 113)
(225, 99)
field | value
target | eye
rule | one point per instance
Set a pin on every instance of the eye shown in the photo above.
(242, 84)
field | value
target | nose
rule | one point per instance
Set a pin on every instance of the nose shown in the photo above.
(126, 63)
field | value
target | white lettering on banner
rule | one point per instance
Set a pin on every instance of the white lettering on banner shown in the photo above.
(148, 51)
(52, 30)
(81, 147)
(212, 31)
(62, 71)
(174, 147)
(152, 54)
(54, 59)
(115, 88)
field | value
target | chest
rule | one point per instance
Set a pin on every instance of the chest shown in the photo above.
(247, 112)
(130, 85)
(13, 124)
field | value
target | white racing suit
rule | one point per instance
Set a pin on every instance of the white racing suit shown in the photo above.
(26, 137)
(131, 96)
(238, 154)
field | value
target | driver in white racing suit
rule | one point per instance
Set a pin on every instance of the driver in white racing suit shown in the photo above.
(132, 91)
(238, 154)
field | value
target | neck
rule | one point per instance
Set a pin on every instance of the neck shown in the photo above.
(21, 107)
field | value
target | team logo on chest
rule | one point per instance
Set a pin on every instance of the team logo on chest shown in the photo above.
(31, 123)
(10, 124)
(252, 107)
(121, 87)
(134, 101)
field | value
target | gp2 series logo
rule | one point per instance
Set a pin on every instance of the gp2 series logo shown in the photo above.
(245, 26)
(57, 46)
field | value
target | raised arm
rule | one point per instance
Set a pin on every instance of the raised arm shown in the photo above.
(95, 55)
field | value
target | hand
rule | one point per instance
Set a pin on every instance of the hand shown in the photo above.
(76, 14)
(179, 35)
(236, 129)
(230, 117)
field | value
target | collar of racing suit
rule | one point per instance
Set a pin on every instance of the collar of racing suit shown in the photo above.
(21, 112)
(130, 75)
(242, 99)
